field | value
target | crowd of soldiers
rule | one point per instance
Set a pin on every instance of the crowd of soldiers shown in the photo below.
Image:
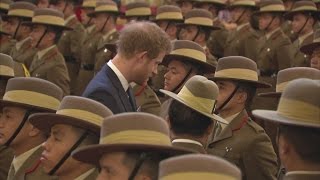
(169, 90)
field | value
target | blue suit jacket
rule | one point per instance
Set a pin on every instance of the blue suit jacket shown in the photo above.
(106, 88)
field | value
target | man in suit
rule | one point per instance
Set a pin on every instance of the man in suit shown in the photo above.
(299, 129)
(242, 141)
(136, 61)
(23, 97)
(49, 63)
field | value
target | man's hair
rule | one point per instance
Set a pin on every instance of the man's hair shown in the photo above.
(143, 36)
(149, 167)
(89, 140)
(249, 89)
(184, 120)
(305, 141)
(189, 65)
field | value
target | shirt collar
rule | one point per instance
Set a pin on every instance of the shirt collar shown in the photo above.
(242, 26)
(41, 53)
(268, 35)
(85, 175)
(20, 43)
(230, 118)
(187, 141)
(108, 34)
(68, 19)
(90, 28)
(123, 80)
(302, 172)
(19, 160)
(303, 37)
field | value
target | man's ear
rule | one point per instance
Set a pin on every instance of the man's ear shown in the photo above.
(50, 35)
(241, 97)
(284, 148)
(141, 56)
(33, 130)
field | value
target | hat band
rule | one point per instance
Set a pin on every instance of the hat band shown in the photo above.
(32, 98)
(292, 109)
(202, 21)
(103, 8)
(190, 53)
(316, 40)
(137, 137)
(89, 4)
(200, 104)
(21, 12)
(243, 3)
(4, 6)
(47, 19)
(169, 15)
(281, 86)
(237, 73)
(305, 8)
(142, 11)
(6, 71)
(275, 7)
(82, 115)
(197, 175)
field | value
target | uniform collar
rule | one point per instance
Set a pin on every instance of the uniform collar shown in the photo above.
(19, 160)
(90, 28)
(85, 175)
(20, 43)
(108, 34)
(43, 52)
(268, 35)
(124, 82)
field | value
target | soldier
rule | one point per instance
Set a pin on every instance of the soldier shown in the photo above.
(49, 63)
(20, 12)
(298, 132)
(197, 27)
(23, 97)
(190, 113)
(243, 40)
(286, 26)
(185, 5)
(130, 151)
(5, 37)
(313, 50)
(303, 16)
(70, 42)
(242, 141)
(217, 39)
(75, 124)
(198, 166)
(86, 8)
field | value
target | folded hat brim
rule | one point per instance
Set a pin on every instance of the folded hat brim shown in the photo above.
(93, 14)
(6, 17)
(257, 84)
(93, 153)
(274, 116)
(192, 24)
(5, 103)
(44, 122)
(27, 23)
(176, 97)
(205, 67)
(270, 94)
(309, 48)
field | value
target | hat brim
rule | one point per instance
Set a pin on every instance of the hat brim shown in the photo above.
(206, 67)
(180, 21)
(63, 28)
(242, 5)
(270, 94)
(5, 103)
(6, 17)
(274, 116)
(44, 122)
(93, 14)
(176, 97)
(92, 154)
(258, 13)
(192, 24)
(257, 84)
(309, 48)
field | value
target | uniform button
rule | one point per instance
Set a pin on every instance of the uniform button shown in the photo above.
(268, 49)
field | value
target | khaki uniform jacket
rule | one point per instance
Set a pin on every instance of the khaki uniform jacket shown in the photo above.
(245, 144)
(103, 56)
(190, 146)
(287, 29)
(305, 175)
(146, 100)
(242, 43)
(6, 45)
(300, 59)
(25, 54)
(164, 109)
(52, 67)
(217, 39)
(6, 157)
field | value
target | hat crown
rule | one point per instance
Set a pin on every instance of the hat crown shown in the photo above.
(138, 9)
(304, 6)
(199, 17)
(5, 4)
(22, 9)
(106, 6)
(195, 51)
(48, 16)
(272, 6)
(243, 3)
(169, 12)
(198, 13)
(6, 65)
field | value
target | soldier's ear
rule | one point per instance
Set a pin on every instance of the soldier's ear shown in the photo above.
(33, 130)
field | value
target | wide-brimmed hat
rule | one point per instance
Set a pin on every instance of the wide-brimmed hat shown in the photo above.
(76, 111)
(271, 6)
(287, 75)
(199, 17)
(6, 66)
(138, 9)
(48, 17)
(169, 13)
(198, 166)
(243, 3)
(24, 10)
(109, 7)
(189, 51)
(219, 3)
(4, 5)
(299, 105)
(199, 94)
(88, 4)
(309, 48)
(32, 93)
(238, 68)
(302, 7)
(130, 132)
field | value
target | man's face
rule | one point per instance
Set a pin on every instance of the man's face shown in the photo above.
(176, 72)
(298, 22)
(12, 25)
(62, 138)
(84, 15)
(36, 34)
(100, 20)
(9, 121)
(188, 33)
(112, 167)
(60, 5)
(43, 4)
(185, 6)
(264, 20)
(236, 13)
(163, 25)
(315, 59)
(225, 90)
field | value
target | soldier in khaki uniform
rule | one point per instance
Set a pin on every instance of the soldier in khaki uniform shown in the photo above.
(5, 40)
(70, 130)
(242, 141)
(86, 8)
(243, 40)
(23, 97)
(20, 12)
(313, 50)
(70, 42)
(185, 5)
(286, 26)
(190, 113)
(303, 16)
(49, 63)
(299, 128)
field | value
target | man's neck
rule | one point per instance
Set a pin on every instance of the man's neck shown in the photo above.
(122, 64)
(202, 140)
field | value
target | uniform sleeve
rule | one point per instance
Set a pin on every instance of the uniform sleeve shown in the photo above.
(260, 160)
(59, 76)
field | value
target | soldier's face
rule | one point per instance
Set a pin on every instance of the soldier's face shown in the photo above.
(176, 72)
(315, 59)
(62, 138)
(236, 13)
(299, 21)
(264, 20)
(188, 33)
(185, 6)
(12, 25)
(112, 167)
(100, 20)
(43, 4)
(84, 15)
(225, 90)
(36, 34)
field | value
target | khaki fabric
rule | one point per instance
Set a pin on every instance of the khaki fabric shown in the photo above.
(217, 40)
(6, 157)
(25, 54)
(300, 59)
(146, 100)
